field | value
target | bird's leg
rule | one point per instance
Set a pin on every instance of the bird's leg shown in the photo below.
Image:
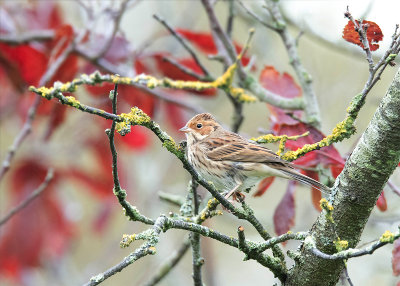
(233, 190)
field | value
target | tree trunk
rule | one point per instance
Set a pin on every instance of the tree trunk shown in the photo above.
(355, 193)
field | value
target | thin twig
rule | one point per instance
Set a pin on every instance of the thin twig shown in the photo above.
(30, 197)
(347, 276)
(25, 131)
(169, 264)
(231, 16)
(394, 188)
(117, 186)
(130, 210)
(257, 18)
(361, 29)
(183, 43)
(349, 253)
(117, 20)
(145, 249)
(197, 260)
(222, 40)
(251, 218)
(311, 107)
(27, 37)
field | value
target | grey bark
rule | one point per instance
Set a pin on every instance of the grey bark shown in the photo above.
(355, 193)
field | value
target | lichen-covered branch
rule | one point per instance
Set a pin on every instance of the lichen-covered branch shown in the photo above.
(130, 210)
(197, 260)
(147, 248)
(386, 238)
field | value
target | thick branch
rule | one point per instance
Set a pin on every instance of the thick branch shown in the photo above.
(355, 192)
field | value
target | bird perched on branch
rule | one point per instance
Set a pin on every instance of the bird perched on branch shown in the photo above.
(231, 162)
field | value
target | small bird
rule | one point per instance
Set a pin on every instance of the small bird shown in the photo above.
(231, 162)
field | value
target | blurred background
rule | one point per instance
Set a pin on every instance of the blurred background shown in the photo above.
(73, 229)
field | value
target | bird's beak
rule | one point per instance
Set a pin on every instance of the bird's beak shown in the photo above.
(185, 129)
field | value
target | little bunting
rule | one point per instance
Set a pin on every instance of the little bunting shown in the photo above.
(231, 162)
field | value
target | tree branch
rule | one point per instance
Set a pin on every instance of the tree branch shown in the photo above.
(29, 198)
(311, 107)
(355, 192)
(27, 37)
(183, 43)
(349, 253)
(169, 264)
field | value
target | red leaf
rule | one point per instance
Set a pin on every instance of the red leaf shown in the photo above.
(283, 85)
(381, 202)
(263, 186)
(374, 34)
(137, 139)
(135, 97)
(64, 35)
(285, 211)
(39, 232)
(67, 71)
(396, 258)
(336, 170)
(28, 61)
(205, 43)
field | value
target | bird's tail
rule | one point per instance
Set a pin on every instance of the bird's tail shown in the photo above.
(306, 180)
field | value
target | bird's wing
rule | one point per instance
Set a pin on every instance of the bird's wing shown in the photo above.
(238, 149)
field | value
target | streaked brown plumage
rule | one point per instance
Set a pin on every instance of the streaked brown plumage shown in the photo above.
(232, 162)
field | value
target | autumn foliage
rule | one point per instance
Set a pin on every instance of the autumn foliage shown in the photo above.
(43, 231)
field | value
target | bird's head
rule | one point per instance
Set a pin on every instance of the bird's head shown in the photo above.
(200, 127)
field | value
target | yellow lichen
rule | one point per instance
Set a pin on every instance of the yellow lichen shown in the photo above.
(341, 244)
(73, 101)
(211, 203)
(241, 95)
(136, 117)
(44, 91)
(325, 205)
(226, 79)
(127, 239)
(387, 236)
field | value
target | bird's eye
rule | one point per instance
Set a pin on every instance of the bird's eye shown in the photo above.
(199, 125)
